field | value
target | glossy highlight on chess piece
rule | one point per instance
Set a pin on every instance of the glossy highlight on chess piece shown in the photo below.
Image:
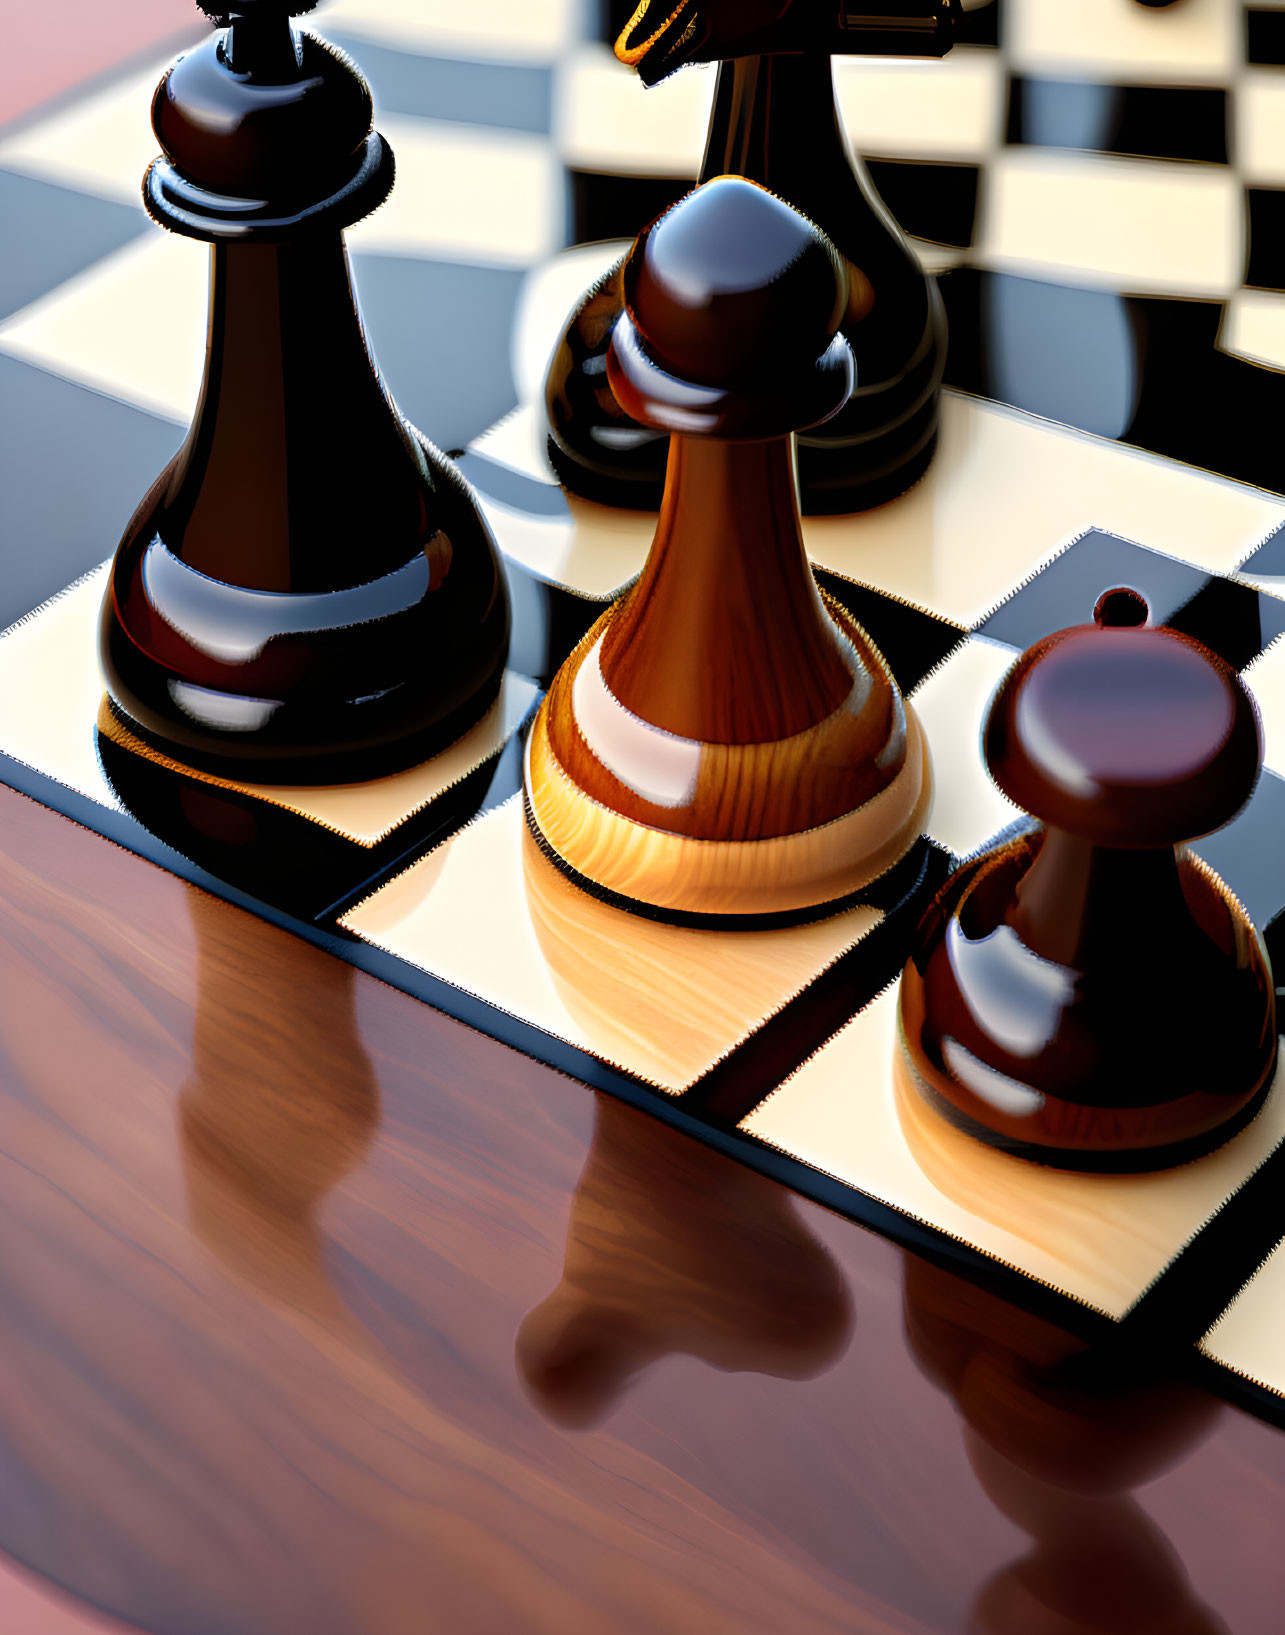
(775, 122)
(1089, 994)
(673, 1249)
(726, 740)
(308, 591)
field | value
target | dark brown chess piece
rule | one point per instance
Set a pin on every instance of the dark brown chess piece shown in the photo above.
(1089, 994)
(726, 740)
(775, 122)
(673, 1249)
(308, 592)
(1060, 1460)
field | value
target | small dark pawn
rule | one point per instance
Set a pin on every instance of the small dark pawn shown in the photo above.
(308, 593)
(775, 122)
(1089, 994)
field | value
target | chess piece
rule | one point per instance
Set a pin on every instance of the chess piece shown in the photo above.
(775, 122)
(673, 1249)
(659, 40)
(308, 589)
(726, 740)
(1088, 994)
(1060, 1463)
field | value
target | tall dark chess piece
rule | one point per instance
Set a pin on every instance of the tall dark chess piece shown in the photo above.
(308, 591)
(1089, 994)
(726, 740)
(775, 121)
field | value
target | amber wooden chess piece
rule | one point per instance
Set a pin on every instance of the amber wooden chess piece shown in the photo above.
(1089, 994)
(308, 592)
(726, 740)
(673, 1249)
(775, 121)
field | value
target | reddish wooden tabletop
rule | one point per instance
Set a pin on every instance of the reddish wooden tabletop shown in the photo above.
(53, 47)
(324, 1314)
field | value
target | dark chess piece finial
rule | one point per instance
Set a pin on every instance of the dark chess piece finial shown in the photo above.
(1089, 994)
(726, 740)
(308, 592)
(775, 122)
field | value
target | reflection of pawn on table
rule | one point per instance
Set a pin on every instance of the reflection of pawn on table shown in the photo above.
(308, 588)
(727, 740)
(674, 1249)
(1090, 994)
(775, 121)
(1060, 1463)
(282, 1104)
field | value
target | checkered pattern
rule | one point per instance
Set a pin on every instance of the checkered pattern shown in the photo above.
(1097, 185)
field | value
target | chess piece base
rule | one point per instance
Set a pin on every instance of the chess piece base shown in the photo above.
(1157, 1058)
(785, 878)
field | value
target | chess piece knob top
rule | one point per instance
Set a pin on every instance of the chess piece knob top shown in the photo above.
(1125, 734)
(733, 305)
(260, 111)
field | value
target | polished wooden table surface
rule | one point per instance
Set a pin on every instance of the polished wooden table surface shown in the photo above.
(324, 1314)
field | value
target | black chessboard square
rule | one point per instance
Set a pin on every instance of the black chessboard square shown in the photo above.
(73, 466)
(980, 25)
(52, 233)
(606, 206)
(937, 202)
(1229, 617)
(1248, 854)
(505, 96)
(1265, 36)
(913, 641)
(1143, 121)
(1265, 267)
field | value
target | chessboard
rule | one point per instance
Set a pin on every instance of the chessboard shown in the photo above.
(1101, 198)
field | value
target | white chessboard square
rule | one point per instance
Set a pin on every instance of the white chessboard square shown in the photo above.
(100, 144)
(467, 193)
(1102, 1239)
(1249, 1337)
(132, 325)
(952, 702)
(952, 109)
(1007, 491)
(1260, 127)
(487, 912)
(1122, 42)
(1139, 225)
(515, 31)
(1253, 327)
(608, 121)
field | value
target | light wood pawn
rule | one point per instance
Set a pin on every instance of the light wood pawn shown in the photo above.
(726, 740)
